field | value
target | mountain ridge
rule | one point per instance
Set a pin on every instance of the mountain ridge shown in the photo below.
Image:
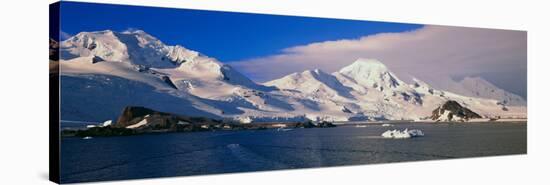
(155, 74)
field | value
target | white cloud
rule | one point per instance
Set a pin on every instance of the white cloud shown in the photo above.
(433, 53)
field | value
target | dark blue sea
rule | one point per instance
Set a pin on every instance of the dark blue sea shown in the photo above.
(198, 153)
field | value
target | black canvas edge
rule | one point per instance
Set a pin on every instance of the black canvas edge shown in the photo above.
(54, 136)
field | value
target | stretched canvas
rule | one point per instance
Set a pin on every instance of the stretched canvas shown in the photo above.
(142, 92)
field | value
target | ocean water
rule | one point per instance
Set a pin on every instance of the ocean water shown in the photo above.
(199, 153)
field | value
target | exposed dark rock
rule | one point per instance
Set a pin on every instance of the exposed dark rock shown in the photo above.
(161, 122)
(175, 62)
(417, 98)
(455, 111)
(503, 104)
(346, 110)
(325, 124)
(406, 96)
(158, 120)
(92, 46)
(130, 114)
(309, 124)
(168, 81)
(104, 131)
(97, 59)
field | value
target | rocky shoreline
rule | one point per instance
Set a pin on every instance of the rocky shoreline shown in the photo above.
(141, 120)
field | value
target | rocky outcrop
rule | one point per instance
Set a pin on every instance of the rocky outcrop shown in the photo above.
(169, 82)
(140, 120)
(453, 111)
(132, 114)
(146, 119)
(97, 59)
(325, 124)
(309, 124)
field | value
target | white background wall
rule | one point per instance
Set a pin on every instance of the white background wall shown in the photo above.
(24, 94)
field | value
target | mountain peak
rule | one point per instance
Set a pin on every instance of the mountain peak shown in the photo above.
(315, 72)
(365, 67)
(371, 73)
(313, 82)
(135, 31)
(86, 34)
(106, 31)
(133, 46)
(368, 63)
(479, 87)
(206, 67)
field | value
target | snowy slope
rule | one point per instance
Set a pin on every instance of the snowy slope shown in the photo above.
(369, 90)
(104, 71)
(197, 85)
(136, 47)
(479, 87)
(315, 83)
(372, 73)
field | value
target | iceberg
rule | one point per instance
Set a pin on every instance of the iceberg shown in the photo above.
(405, 134)
(416, 133)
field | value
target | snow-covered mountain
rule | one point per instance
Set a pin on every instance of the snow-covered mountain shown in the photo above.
(371, 73)
(314, 83)
(136, 47)
(103, 72)
(479, 87)
(369, 90)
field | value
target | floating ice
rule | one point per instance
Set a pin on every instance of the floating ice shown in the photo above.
(281, 129)
(416, 133)
(387, 125)
(396, 134)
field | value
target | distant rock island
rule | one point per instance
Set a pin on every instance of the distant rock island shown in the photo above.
(453, 111)
(140, 120)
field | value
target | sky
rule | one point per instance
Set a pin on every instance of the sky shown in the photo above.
(224, 35)
(266, 47)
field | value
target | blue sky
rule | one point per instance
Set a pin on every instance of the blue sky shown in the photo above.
(224, 35)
